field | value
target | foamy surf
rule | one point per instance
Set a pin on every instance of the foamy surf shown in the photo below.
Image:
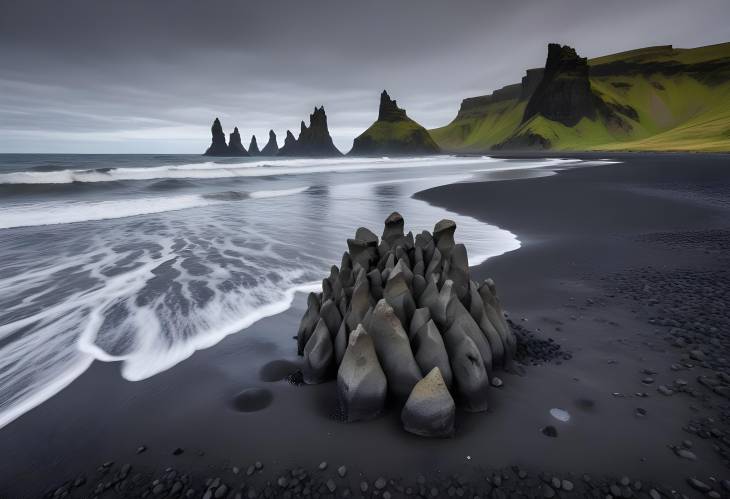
(154, 279)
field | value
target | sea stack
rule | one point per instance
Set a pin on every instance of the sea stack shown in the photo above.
(314, 140)
(271, 148)
(253, 147)
(393, 133)
(290, 145)
(218, 146)
(402, 325)
(235, 147)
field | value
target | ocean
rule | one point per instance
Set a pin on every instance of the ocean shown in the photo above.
(144, 259)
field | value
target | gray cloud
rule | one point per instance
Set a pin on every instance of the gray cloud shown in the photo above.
(149, 76)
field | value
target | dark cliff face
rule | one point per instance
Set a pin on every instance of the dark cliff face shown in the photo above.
(394, 133)
(271, 148)
(235, 147)
(564, 93)
(389, 110)
(314, 140)
(253, 147)
(218, 146)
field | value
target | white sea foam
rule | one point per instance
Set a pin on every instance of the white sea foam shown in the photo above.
(53, 213)
(210, 170)
(149, 295)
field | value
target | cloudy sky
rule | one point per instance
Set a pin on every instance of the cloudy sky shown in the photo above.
(148, 76)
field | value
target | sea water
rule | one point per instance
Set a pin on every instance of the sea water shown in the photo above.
(143, 260)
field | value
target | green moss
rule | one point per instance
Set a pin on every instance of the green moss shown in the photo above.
(679, 111)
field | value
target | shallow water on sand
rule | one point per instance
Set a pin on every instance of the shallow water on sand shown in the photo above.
(145, 259)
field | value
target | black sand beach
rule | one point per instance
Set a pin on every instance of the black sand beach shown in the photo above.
(624, 266)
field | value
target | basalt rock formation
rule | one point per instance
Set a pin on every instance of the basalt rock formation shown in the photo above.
(218, 146)
(400, 318)
(314, 140)
(253, 147)
(290, 145)
(564, 93)
(271, 148)
(235, 147)
(393, 133)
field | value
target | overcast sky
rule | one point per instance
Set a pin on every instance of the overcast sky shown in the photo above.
(149, 76)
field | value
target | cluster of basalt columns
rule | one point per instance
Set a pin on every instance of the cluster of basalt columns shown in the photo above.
(401, 318)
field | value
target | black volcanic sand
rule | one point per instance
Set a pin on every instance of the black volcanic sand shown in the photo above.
(625, 267)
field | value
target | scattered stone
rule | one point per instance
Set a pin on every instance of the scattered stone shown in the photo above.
(549, 431)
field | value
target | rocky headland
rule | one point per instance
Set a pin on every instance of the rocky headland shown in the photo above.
(401, 320)
(393, 133)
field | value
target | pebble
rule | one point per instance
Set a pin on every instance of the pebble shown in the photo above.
(323, 465)
(141, 449)
(686, 454)
(654, 494)
(380, 483)
(258, 465)
(549, 431)
(547, 491)
(698, 485)
(331, 486)
(178, 451)
(342, 471)
(363, 487)
(221, 491)
(664, 390)
(497, 382)
(567, 485)
(640, 412)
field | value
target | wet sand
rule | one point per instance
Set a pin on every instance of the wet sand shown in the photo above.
(604, 250)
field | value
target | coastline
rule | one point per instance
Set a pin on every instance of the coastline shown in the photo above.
(593, 212)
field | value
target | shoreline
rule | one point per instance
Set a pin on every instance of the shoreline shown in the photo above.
(529, 283)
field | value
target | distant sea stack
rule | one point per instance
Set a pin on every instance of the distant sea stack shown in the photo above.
(253, 147)
(393, 133)
(218, 146)
(314, 140)
(235, 147)
(272, 147)
(290, 145)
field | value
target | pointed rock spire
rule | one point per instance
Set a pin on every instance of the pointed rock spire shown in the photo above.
(271, 148)
(314, 140)
(235, 147)
(389, 110)
(218, 145)
(253, 147)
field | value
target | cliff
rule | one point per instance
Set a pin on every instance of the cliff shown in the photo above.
(654, 98)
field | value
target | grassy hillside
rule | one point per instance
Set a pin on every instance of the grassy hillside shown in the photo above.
(666, 99)
(395, 137)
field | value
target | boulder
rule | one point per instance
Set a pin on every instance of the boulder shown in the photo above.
(308, 323)
(470, 376)
(420, 317)
(319, 356)
(476, 309)
(362, 252)
(330, 313)
(393, 230)
(361, 382)
(443, 234)
(393, 349)
(457, 314)
(493, 309)
(430, 410)
(431, 351)
(398, 296)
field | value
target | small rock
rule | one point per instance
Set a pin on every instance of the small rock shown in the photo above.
(331, 486)
(567, 485)
(342, 471)
(497, 382)
(550, 431)
(686, 454)
(178, 451)
(380, 483)
(141, 449)
(323, 465)
(698, 485)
